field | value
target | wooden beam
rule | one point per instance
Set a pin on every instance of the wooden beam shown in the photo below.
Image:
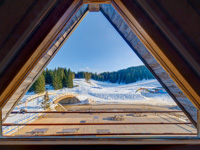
(100, 140)
(17, 112)
(1, 122)
(150, 62)
(34, 49)
(107, 134)
(54, 52)
(102, 124)
(97, 1)
(198, 123)
(19, 19)
(171, 22)
(161, 49)
(94, 7)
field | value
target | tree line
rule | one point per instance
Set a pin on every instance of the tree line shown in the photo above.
(62, 77)
(58, 78)
(129, 75)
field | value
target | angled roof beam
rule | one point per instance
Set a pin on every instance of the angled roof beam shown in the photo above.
(161, 48)
(61, 33)
(148, 59)
(171, 87)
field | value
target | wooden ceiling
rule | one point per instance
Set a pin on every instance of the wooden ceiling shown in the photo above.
(169, 30)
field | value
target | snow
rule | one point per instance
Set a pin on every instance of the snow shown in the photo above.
(94, 92)
(105, 92)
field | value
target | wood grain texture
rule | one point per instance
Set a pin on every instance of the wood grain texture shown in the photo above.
(149, 60)
(19, 26)
(155, 40)
(102, 140)
(28, 53)
(45, 59)
(93, 7)
(179, 31)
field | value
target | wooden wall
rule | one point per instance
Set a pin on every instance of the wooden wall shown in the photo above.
(169, 32)
(143, 53)
(43, 62)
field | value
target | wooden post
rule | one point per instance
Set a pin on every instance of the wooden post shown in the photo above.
(94, 7)
(198, 123)
(1, 133)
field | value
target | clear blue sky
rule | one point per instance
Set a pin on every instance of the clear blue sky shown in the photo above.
(95, 46)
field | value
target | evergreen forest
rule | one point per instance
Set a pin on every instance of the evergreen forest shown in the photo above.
(129, 75)
(63, 78)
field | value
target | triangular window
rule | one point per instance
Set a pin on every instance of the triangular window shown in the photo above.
(99, 84)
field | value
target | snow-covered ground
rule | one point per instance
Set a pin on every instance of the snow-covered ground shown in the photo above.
(95, 92)
(105, 92)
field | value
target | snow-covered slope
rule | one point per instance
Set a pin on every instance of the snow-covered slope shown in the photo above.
(105, 92)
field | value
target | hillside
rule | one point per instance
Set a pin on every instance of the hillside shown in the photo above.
(129, 75)
(106, 92)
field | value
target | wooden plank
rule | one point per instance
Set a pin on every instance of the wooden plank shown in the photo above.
(198, 123)
(90, 112)
(23, 86)
(69, 31)
(85, 129)
(9, 105)
(104, 132)
(162, 50)
(161, 75)
(1, 133)
(96, 1)
(89, 123)
(103, 140)
(171, 20)
(28, 80)
(58, 41)
(35, 54)
(33, 50)
(94, 7)
(44, 60)
(52, 50)
(21, 27)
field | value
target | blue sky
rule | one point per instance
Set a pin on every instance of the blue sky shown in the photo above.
(95, 46)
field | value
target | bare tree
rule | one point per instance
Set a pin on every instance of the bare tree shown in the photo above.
(87, 76)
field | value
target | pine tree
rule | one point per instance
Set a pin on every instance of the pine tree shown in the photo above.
(70, 79)
(67, 77)
(65, 81)
(39, 85)
(46, 103)
(48, 76)
(57, 82)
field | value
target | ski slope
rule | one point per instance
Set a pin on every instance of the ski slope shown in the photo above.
(114, 93)
(104, 93)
